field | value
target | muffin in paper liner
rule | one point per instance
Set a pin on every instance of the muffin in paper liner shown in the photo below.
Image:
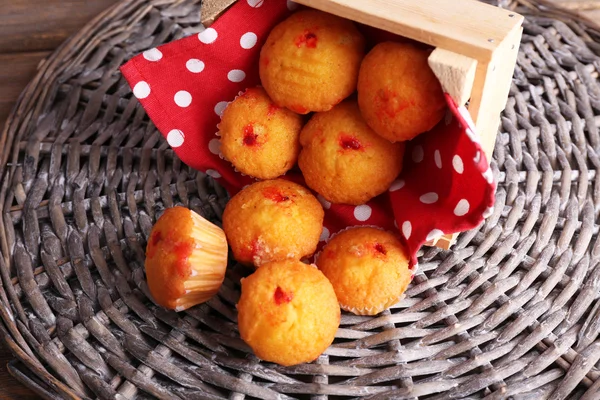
(257, 136)
(368, 268)
(186, 259)
(272, 220)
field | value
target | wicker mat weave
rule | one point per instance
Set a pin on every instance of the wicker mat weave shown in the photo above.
(512, 311)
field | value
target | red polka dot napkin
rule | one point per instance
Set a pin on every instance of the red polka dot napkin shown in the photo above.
(446, 185)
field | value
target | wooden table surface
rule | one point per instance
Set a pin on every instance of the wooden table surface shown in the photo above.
(29, 31)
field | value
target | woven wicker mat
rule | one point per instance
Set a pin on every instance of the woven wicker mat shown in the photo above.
(512, 311)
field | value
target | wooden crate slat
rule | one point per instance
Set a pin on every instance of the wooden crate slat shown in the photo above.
(467, 27)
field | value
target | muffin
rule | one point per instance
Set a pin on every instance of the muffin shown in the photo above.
(186, 258)
(398, 94)
(310, 61)
(259, 138)
(344, 160)
(368, 268)
(273, 220)
(288, 313)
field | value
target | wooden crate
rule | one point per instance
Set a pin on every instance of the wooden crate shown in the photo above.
(476, 47)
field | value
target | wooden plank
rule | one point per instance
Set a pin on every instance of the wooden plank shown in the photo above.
(10, 388)
(578, 5)
(488, 100)
(455, 72)
(16, 70)
(34, 25)
(467, 27)
(491, 88)
(212, 9)
(594, 15)
(588, 10)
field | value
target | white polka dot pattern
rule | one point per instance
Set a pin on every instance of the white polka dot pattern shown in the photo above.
(418, 154)
(458, 165)
(429, 198)
(208, 36)
(406, 229)
(213, 173)
(194, 65)
(175, 138)
(438, 159)
(183, 98)
(248, 40)
(326, 204)
(324, 234)
(214, 146)
(464, 113)
(489, 175)
(397, 185)
(220, 107)
(434, 234)
(152, 54)
(472, 135)
(462, 208)
(362, 213)
(236, 75)
(141, 90)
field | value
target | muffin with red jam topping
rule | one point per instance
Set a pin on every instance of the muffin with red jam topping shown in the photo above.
(368, 268)
(288, 313)
(398, 93)
(273, 220)
(310, 61)
(344, 160)
(186, 258)
(259, 138)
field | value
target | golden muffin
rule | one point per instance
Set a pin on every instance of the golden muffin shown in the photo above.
(288, 313)
(259, 138)
(186, 259)
(273, 220)
(398, 94)
(310, 61)
(344, 160)
(368, 268)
